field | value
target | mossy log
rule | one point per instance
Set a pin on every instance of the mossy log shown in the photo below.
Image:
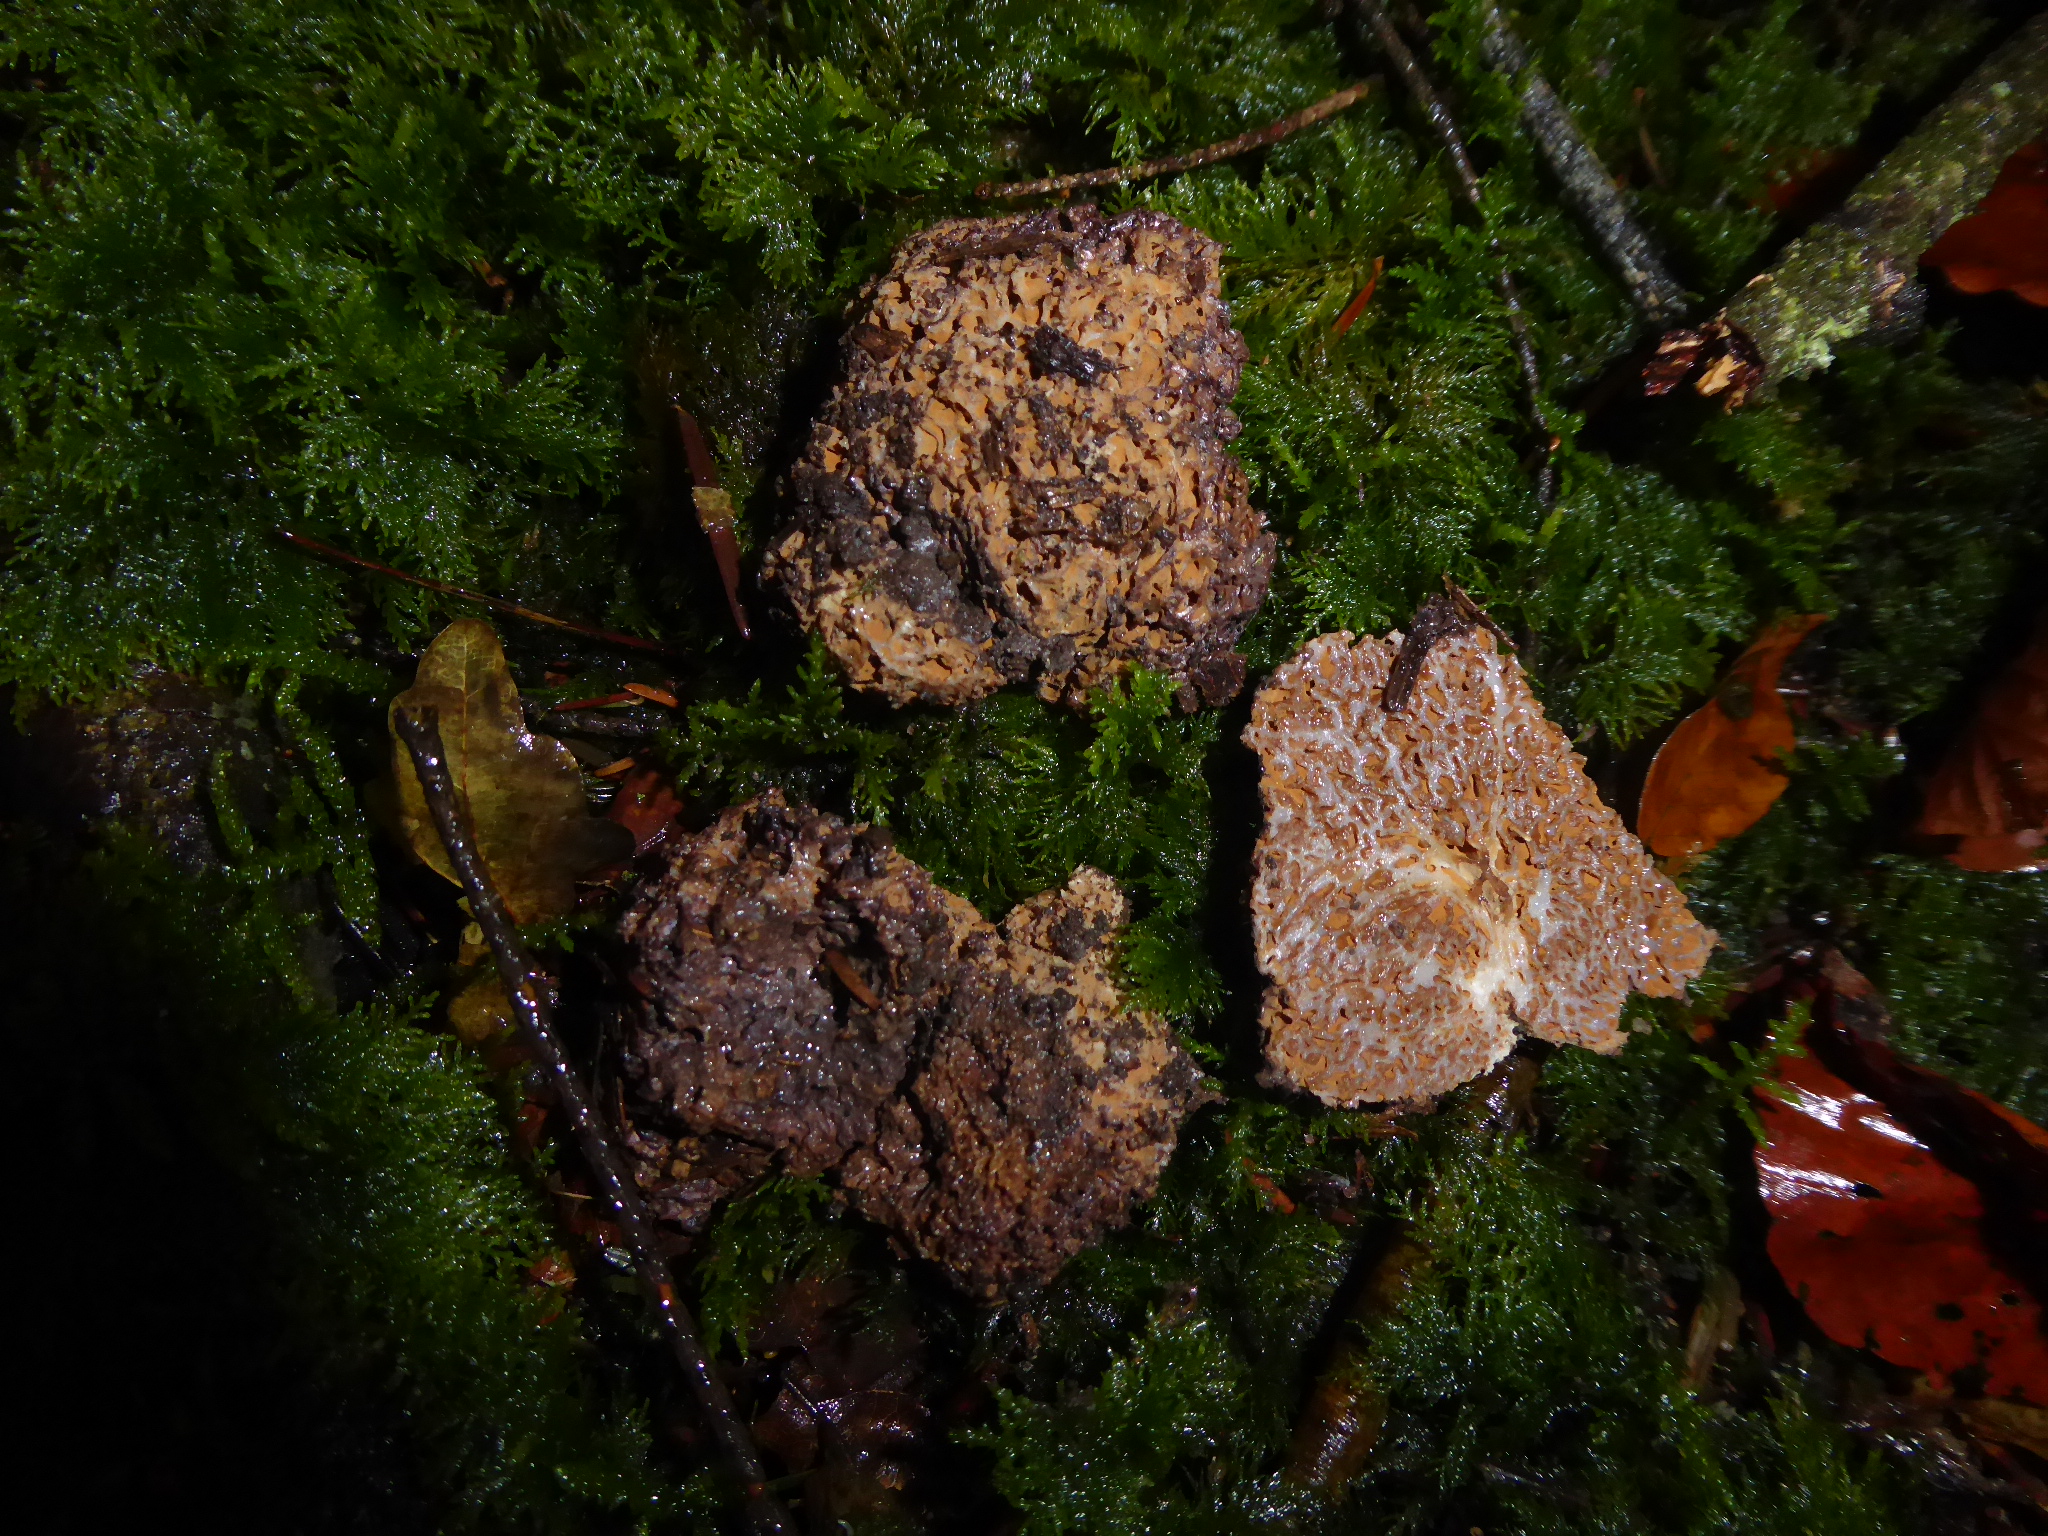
(1847, 275)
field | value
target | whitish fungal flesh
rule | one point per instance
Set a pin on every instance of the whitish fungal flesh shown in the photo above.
(1023, 473)
(1429, 882)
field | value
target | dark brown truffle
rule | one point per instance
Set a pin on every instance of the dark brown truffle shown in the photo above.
(1024, 472)
(812, 1000)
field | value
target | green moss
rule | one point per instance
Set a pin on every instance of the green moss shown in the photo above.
(423, 283)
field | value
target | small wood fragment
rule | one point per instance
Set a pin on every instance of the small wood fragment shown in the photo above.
(851, 979)
(1855, 271)
(1450, 612)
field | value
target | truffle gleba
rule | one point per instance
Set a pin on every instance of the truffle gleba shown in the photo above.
(1024, 474)
(1431, 881)
(811, 999)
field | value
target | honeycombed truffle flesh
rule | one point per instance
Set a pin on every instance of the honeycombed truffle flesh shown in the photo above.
(1431, 881)
(1024, 473)
(811, 999)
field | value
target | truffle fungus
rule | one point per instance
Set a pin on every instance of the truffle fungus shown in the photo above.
(812, 999)
(1431, 880)
(1023, 473)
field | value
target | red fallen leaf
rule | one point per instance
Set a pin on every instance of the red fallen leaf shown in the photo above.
(2004, 1155)
(1992, 788)
(2004, 244)
(1357, 306)
(1719, 772)
(1816, 182)
(1884, 1245)
(1275, 1195)
(647, 806)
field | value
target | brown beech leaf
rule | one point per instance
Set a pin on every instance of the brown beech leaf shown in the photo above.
(521, 793)
(2004, 244)
(1720, 770)
(1992, 788)
(1884, 1244)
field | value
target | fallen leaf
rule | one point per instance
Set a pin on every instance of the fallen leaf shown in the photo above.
(653, 695)
(2007, 1423)
(1853, 1194)
(1720, 770)
(521, 794)
(2004, 244)
(1992, 788)
(647, 806)
(480, 1011)
(1357, 306)
(1346, 1410)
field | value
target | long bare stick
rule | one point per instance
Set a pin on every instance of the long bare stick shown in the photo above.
(421, 731)
(1229, 149)
(588, 631)
(1396, 49)
(1582, 178)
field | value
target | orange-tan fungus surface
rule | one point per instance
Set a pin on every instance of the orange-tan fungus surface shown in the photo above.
(1430, 882)
(1024, 475)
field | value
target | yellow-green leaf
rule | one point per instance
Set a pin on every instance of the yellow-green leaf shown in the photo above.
(521, 792)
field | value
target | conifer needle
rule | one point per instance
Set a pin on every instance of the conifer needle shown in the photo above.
(498, 604)
(1228, 149)
(421, 731)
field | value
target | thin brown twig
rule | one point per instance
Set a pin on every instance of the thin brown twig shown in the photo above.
(1396, 49)
(1229, 149)
(501, 605)
(420, 729)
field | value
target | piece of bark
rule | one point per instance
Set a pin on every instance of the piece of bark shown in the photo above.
(1855, 271)
(1586, 185)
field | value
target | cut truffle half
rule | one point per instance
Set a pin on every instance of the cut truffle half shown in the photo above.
(1432, 880)
(1023, 474)
(812, 1000)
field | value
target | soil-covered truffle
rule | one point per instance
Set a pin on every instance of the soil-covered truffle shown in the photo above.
(1431, 881)
(813, 1000)
(1024, 472)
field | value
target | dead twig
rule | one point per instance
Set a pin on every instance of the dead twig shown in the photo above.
(421, 731)
(1396, 49)
(1229, 149)
(1582, 178)
(499, 604)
